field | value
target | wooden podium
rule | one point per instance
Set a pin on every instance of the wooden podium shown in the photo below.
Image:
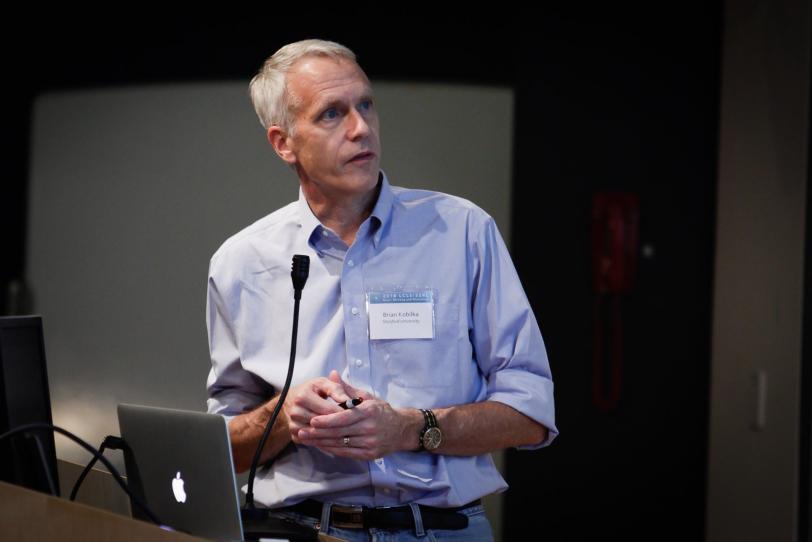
(30, 515)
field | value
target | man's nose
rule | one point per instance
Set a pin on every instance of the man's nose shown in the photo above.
(359, 126)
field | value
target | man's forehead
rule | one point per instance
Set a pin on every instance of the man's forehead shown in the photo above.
(319, 73)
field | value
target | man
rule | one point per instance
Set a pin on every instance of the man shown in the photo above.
(461, 373)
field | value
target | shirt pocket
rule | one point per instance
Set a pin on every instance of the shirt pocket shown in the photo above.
(423, 363)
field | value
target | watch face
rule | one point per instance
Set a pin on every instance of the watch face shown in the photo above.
(432, 438)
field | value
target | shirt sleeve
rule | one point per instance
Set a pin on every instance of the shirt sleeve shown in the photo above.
(232, 390)
(506, 338)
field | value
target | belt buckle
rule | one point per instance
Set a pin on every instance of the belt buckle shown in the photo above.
(355, 515)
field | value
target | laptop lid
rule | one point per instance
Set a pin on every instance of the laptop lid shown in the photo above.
(180, 463)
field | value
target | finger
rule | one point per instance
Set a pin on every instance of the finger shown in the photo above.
(348, 388)
(301, 411)
(320, 397)
(333, 387)
(309, 406)
(341, 419)
(335, 377)
(294, 435)
(293, 423)
(355, 441)
(331, 432)
(358, 392)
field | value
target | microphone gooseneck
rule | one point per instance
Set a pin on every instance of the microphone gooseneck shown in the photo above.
(300, 270)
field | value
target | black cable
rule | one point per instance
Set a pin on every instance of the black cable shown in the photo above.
(298, 274)
(84, 473)
(116, 475)
(249, 496)
(110, 441)
(49, 477)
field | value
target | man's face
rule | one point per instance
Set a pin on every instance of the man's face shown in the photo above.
(335, 145)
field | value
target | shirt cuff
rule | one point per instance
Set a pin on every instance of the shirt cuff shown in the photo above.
(528, 393)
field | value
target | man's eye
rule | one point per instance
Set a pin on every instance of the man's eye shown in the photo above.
(330, 114)
(365, 105)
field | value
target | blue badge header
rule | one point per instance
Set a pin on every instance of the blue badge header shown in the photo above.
(402, 296)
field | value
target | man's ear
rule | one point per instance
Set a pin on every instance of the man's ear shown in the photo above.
(280, 141)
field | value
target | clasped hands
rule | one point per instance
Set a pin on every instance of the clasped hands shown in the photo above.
(368, 431)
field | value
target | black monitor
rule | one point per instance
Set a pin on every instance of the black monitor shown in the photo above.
(25, 398)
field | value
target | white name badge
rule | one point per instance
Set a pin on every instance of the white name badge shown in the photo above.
(401, 314)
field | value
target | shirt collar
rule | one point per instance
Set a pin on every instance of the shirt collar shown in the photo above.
(382, 212)
(379, 217)
(307, 220)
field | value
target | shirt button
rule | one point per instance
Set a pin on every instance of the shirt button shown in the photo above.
(354, 311)
(350, 263)
(358, 362)
(325, 232)
(387, 490)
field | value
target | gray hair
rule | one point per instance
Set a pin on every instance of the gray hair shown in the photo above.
(269, 94)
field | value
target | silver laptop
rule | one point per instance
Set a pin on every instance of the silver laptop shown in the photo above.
(180, 463)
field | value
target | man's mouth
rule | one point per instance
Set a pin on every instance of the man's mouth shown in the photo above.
(362, 156)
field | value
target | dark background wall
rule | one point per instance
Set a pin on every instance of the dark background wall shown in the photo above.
(632, 106)
(606, 99)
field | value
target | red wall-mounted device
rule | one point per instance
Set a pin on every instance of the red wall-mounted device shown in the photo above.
(614, 249)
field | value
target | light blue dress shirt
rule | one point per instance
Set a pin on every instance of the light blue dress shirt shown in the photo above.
(487, 344)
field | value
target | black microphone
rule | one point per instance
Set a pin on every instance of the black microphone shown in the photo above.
(299, 273)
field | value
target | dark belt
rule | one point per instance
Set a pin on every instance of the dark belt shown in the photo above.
(387, 517)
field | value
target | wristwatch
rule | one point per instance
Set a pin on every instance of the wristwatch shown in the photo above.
(430, 436)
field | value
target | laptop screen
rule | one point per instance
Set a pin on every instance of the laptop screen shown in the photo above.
(24, 399)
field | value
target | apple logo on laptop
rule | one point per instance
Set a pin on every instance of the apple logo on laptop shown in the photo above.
(177, 488)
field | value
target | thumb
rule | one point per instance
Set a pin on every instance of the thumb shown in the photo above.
(350, 390)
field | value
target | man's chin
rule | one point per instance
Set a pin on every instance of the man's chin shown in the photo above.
(362, 180)
(351, 182)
